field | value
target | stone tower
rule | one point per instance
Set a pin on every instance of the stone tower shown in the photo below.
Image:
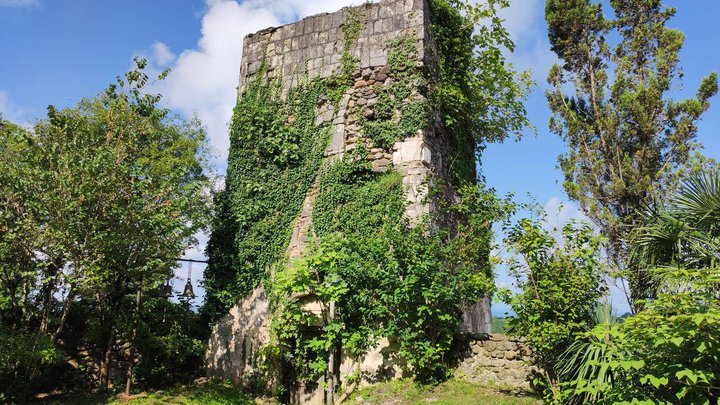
(314, 46)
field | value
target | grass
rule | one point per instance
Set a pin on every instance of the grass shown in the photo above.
(453, 392)
(210, 394)
(400, 392)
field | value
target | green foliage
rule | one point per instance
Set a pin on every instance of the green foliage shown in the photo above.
(478, 93)
(172, 341)
(627, 138)
(98, 202)
(560, 284)
(351, 28)
(220, 277)
(22, 354)
(385, 278)
(276, 151)
(500, 325)
(400, 110)
(681, 231)
(666, 353)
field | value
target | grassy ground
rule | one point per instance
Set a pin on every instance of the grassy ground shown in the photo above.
(453, 392)
(210, 394)
(403, 392)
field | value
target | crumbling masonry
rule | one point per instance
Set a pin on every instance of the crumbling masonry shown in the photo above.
(313, 48)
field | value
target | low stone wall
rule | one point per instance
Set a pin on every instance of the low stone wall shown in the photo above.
(496, 359)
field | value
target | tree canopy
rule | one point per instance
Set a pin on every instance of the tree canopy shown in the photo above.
(98, 202)
(625, 134)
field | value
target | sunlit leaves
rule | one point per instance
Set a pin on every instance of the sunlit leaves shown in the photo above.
(627, 139)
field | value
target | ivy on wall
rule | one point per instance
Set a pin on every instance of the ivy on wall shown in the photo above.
(276, 149)
(388, 279)
(400, 110)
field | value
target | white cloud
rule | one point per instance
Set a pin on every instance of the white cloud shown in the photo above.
(20, 3)
(521, 18)
(161, 54)
(559, 213)
(203, 79)
(525, 21)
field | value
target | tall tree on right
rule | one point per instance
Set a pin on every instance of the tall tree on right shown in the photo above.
(610, 103)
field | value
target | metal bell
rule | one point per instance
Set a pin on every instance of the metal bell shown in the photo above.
(188, 293)
(167, 291)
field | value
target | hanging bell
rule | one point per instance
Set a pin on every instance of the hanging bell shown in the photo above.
(167, 291)
(188, 293)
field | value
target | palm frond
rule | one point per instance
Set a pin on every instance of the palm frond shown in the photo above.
(585, 366)
(698, 201)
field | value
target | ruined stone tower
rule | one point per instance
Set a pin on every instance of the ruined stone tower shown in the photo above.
(317, 47)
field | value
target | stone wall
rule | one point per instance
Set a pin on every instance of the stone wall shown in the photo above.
(496, 360)
(313, 48)
(316, 43)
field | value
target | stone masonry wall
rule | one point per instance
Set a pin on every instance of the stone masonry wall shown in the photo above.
(496, 360)
(316, 42)
(313, 48)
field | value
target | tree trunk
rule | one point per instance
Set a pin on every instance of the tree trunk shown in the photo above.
(25, 300)
(136, 318)
(47, 293)
(66, 311)
(107, 357)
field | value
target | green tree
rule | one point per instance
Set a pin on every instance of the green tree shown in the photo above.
(626, 136)
(560, 285)
(669, 351)
(108, 194)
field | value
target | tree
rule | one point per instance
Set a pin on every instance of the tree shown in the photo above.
(626, 136)
(110, 193)
(669, 351)
(684, 230)
(560, 285)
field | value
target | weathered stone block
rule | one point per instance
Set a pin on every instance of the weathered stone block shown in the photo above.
(317, 43)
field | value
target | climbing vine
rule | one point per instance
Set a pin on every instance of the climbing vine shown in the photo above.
(478, 93)
(351, 28)
(276, 151)
(387, 278)
(400, 110)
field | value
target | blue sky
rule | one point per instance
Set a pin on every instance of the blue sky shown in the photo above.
(56, 52)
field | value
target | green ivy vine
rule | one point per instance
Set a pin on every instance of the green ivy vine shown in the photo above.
(388, 279)
(400, 110)
(276, 150)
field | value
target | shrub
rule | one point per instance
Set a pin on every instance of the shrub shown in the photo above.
(560, 284)
(669, 352)
(22, 355)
